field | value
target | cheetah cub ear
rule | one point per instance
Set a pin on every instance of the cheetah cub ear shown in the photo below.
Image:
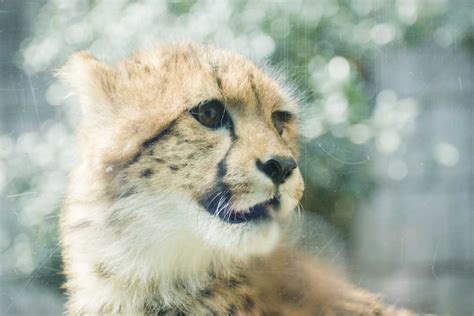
(94, 82)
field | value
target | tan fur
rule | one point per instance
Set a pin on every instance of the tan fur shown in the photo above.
(135, 238)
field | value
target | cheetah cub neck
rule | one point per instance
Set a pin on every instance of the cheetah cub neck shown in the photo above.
(187, 173)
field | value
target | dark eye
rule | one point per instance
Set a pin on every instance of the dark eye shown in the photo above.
(211, 114)
(280, 118)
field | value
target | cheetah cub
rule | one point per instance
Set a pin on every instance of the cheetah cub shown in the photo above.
(178, 203)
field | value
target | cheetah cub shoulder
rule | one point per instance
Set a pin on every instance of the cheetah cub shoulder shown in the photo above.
(186, 177)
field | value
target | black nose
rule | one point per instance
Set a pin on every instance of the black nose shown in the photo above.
(278, 168)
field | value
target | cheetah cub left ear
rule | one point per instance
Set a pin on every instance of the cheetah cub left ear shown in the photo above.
(94, 82)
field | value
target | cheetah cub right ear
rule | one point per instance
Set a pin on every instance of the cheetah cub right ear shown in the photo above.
(94, 82)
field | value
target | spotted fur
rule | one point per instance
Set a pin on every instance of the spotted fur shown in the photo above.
(137, 233)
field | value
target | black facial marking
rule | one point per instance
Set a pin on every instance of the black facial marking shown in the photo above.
(249, 304)
(173, 167)
(207, 293)
(233, 135)
(231, 310)
(160, 135)
(151, 141)
(254, 90)
(222, 168)
(135, 158)
(146, 173)
(209, 146)
(222, 165)
(158, 160)
(233, 283)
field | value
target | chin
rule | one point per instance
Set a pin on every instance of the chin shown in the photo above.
(257, 237)
(239, 234)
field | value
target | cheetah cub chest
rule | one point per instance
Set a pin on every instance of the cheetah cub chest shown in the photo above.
(186, 178)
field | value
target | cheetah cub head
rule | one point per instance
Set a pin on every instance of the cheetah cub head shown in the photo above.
(186, 146)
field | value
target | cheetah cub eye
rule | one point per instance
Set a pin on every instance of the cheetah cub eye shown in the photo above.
(280, 119)
(211, 114)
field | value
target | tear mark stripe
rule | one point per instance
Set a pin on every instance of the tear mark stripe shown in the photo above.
(146, 173)
(222, 165)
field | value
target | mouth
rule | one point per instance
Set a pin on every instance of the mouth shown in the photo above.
(259, 212)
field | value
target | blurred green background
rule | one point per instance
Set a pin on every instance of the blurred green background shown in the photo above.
(387, 126)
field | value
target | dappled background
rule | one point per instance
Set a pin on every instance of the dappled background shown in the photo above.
(387, 125)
